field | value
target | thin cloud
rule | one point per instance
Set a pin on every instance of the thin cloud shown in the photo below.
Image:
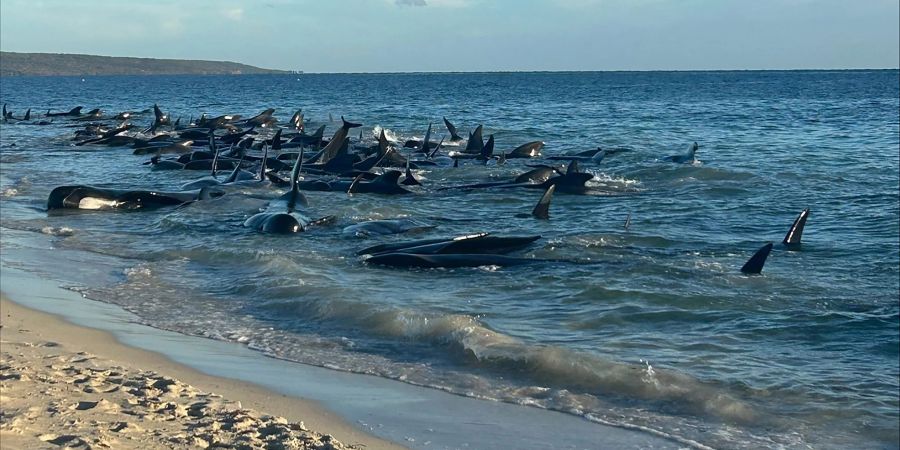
(410, 3)
(235, 14)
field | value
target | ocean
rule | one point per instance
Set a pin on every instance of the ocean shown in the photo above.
(655, 328)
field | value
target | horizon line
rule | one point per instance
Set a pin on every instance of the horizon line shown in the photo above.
(302, 72)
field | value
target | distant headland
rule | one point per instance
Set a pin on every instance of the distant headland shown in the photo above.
(19, 64)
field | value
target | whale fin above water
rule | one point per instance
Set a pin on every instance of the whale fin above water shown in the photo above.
(487, 151)
(409, 179)
(348, 125)
(756, 262)
(793, 236)
(354, 184)
(454, 136)
(476, 142)
(542, 209)
(436, 148)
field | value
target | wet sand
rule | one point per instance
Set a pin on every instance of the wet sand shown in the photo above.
(70, 386)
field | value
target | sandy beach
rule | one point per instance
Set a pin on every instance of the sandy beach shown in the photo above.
(69, 386)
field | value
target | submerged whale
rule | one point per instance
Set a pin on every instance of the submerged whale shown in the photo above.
(410, 260)
(471, 244)
(690, 157)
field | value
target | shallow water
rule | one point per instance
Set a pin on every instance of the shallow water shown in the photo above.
(655, 328)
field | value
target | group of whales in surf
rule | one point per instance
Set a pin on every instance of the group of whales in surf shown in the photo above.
(254, 151)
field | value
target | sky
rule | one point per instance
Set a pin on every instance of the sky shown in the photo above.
(468, 35)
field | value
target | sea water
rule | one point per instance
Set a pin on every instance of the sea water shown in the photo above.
(654, 328)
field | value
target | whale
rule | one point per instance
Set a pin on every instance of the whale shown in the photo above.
(527, 150)
(795, 233)
(484, 243)
(455, 260)
(93, 114)
(592, 156)
(337, 141)
(282, 216)
(98, 198)
(689, 157)
(159, 119)
(572, 181)
(385, 184)
(177, 148)
(262, 119)
(74, 112)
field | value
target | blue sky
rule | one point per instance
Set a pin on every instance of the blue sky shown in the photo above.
(468, 35)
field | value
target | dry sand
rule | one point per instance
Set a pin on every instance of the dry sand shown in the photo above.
(62, 385)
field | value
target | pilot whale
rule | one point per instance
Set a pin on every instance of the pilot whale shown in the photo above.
(96, 198)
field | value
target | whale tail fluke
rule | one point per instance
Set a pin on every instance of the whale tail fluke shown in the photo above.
(454, 136)
(349, 125)
(542, 209)
(755, 264)
(793, 236)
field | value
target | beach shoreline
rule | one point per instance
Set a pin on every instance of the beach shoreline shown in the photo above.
(64, 383)
(355, 409)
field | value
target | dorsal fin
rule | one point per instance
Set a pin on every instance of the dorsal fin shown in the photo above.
(234, 173)
(488, 150)
(758, 260)
(295, 195)
(215, 152)
(27, 115)
(793, 236)
(628, 221)
(427, 138)
(437, 148)
(572, 168)
(355, 183)
(382, 143)
(295, 172)
(542, 209)
(598, 156)
(262, 164)
(455, 162)
(276, 140)
(409, 179)
(319, 133)
(452, 129)
(75, 111)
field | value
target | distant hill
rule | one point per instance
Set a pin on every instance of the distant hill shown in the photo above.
(16, 64)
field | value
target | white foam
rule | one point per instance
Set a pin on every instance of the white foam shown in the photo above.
(61, 231)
